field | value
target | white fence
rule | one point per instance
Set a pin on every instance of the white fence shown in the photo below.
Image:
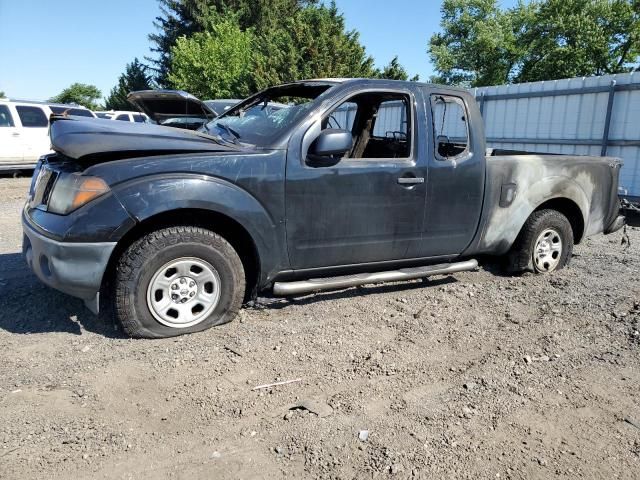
(582, 116)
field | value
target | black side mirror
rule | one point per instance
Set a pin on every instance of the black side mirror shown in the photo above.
(332, 142)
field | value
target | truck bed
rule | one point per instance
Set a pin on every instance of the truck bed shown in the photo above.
(518, 183)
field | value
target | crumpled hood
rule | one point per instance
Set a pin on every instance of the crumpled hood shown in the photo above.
(80, 138)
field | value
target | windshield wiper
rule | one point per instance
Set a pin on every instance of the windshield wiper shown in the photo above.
(217, 137)
(226, 128)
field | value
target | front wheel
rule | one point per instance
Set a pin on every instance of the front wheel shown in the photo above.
(544, 245)
(177, 280)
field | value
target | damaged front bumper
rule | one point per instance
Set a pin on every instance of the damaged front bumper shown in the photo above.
(72, 268)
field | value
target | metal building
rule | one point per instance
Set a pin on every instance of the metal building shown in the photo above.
(582, 116)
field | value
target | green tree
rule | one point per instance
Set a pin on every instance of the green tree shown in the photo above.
(481, 44)
(216, 63)
(395, 71)
(178, 18)
(477, 45)
(185, 17)
(2, 94)
(80, 94)
(311, 43)
(135, 77)
(572, 38)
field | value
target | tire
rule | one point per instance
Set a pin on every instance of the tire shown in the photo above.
(544, 245)
(145, 302)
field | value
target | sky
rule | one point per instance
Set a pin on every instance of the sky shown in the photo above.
(46, 45)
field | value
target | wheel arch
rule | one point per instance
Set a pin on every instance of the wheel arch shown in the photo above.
(569, 209)
(231, 230)
(215, 203)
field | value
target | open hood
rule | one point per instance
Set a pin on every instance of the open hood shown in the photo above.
(80, 138)
(173, 108)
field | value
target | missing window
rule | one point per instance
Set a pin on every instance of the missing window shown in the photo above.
(380, 123)
(450, 126)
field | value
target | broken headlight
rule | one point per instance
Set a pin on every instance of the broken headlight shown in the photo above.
(73, 191)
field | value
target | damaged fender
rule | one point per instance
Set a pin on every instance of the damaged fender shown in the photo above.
(504, 223)
(147, 197)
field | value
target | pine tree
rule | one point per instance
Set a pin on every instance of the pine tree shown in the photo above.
(134, 78)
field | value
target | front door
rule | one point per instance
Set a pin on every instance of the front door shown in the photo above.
(10, 138)
(367, 206)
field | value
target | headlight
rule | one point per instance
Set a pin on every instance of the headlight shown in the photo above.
(72, 191)
(34, 177)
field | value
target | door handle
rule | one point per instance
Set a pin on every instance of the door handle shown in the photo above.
(15, 134)
(410, 180)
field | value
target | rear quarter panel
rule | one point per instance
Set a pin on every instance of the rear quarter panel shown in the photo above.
(590, 182)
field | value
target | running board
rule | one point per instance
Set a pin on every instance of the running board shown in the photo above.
(285, 289)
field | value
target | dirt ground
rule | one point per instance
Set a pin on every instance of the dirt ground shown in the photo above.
(475, 375)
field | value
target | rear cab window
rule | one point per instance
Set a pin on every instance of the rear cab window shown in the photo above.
(123, 117)
(450, 126)
(6, 119)
(32, 117)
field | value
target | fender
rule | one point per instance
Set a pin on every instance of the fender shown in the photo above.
(504, 223)
(147, 196)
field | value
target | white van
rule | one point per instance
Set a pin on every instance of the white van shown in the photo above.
(24, 130)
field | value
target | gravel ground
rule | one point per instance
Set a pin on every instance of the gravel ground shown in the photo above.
(475, 375)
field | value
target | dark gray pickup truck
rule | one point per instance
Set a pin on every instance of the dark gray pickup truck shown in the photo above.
(355, 182)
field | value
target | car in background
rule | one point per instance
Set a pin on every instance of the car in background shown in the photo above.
(221, 105)
(24, 130)
(123, 116)
(78, 111)
(172, 108)
(179, 109)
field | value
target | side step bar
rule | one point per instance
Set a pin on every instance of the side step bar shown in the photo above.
(285, 289)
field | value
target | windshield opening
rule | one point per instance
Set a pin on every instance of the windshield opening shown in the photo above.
(260, 120)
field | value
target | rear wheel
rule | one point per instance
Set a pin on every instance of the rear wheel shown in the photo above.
(177, 280)
(545, 243)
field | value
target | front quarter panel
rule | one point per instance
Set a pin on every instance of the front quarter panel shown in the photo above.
(246, 187)
(147, 197)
